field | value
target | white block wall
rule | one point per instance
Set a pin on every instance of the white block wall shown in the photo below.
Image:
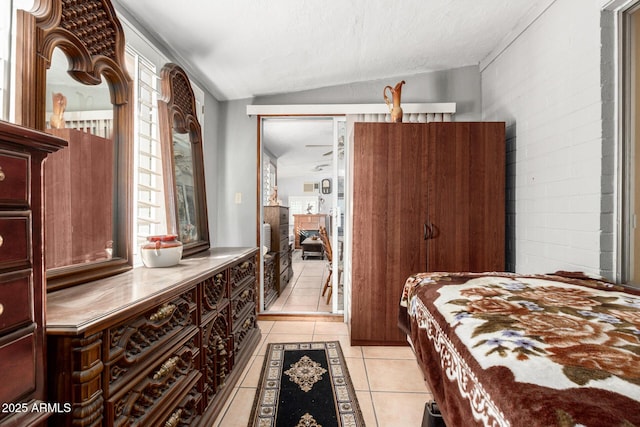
(546, 85)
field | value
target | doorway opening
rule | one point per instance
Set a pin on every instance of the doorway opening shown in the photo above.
(302, 182)
(629, 231)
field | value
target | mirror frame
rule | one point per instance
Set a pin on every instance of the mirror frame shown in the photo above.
(177, 112)
(91, 36)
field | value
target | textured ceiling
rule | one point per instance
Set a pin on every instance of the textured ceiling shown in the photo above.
(303, 146)
(244, 48)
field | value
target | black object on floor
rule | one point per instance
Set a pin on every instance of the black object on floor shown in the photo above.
(432, 416)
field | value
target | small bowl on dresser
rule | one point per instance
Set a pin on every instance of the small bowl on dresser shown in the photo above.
(161, 251)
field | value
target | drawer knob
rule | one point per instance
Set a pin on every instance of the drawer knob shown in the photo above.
(166, 368)
(221, 348)
(247, 323)
(245, 294)
(174, 419)
(2, 175)
(244, 265)
(163, 312)
(1, 309)
(1, 240)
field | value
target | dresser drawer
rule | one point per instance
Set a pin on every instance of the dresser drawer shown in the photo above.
(285, 277)
(284, 243)
(187, 411)
(242, 275)
(283, 235)
(283, 216)
(14, 179)
(141, 340)
(240, 305)
(17, 359)
(242, 331)
(15, 236)
(162, 385)
(284, 260)
(16, 300)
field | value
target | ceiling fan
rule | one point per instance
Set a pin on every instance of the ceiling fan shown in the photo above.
(328, 153)
(321, 167)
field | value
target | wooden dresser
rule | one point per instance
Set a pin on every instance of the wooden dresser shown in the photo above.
(22, 348)
(278, 218)
(270, 279)
(154, 346)
(309, 222)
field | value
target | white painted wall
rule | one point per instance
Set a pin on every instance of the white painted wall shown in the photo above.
(293, 186)
(546, 85)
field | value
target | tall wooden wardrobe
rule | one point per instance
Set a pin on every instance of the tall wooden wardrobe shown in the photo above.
(426, 197)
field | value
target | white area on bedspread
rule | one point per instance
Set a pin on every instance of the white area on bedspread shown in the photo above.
(525, 355)
(458, 371)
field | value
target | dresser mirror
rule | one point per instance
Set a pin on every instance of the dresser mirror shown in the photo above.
(71, 81)
(183, 161)
(78, 225)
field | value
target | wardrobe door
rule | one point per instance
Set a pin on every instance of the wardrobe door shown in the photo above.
(388, 225)
(466, 205)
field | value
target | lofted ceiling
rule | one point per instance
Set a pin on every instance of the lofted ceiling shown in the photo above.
(244, 48)
(241, 49)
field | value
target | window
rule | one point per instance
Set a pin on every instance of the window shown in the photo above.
(143, 62)
(149, 203)
(268, 179)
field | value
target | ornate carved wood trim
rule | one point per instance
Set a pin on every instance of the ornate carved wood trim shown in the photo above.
(91, 36)
(177, 112)
(180, 101)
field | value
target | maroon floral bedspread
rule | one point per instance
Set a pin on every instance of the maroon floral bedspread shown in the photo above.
(500, 349)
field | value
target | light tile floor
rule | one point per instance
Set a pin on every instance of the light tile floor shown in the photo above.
(387, 380)
(304, 293)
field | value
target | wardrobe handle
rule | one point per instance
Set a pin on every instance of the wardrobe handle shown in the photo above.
(428, 231)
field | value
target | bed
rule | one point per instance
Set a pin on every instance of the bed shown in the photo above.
(501, 349)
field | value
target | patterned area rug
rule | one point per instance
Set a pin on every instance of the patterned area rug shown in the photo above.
(305, 385)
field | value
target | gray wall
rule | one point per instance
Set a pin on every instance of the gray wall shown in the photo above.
(235, 224)
(460, 85)
(211, 147)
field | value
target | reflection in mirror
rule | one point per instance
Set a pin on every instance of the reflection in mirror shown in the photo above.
(78, 225)
(183, 168)
(182, 155)
(71, 79)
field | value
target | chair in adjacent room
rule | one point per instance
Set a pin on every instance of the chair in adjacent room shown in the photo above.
(329, 254)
